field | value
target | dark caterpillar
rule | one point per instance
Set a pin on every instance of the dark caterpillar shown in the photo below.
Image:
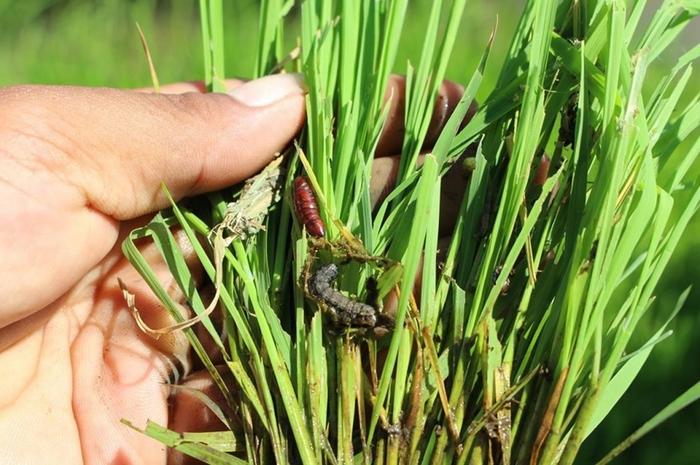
(307, 208)
(344, 311)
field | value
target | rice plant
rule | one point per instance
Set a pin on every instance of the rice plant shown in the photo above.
(508, 340)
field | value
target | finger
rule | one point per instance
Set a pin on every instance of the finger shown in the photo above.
(131, 142)
(454, 182)
(391, 139)
(191, 86)
(383, 178)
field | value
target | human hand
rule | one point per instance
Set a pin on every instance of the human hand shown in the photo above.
(79, 168)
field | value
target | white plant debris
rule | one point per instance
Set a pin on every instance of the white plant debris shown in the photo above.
(245, 217)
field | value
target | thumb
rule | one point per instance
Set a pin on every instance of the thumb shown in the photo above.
(118, 146)
(75, 162)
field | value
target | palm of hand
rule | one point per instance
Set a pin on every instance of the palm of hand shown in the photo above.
(74, 369)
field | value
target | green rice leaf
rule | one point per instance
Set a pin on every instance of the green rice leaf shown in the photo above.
(199, 451)
(687, 398)
(623, 379)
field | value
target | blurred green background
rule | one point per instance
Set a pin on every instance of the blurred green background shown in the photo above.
(89, 42)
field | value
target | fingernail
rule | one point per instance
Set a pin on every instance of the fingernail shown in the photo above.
(268, 90)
